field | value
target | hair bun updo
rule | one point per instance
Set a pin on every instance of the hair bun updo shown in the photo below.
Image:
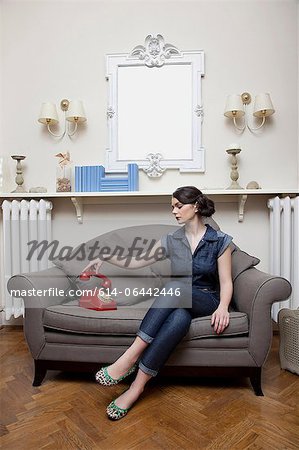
(206, 207)
(190, 194)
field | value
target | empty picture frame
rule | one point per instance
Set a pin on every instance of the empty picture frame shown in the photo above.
(155, 108)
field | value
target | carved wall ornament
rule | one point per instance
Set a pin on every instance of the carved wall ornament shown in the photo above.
(199, 111)
(110, 112)
(154, 169)
(155, 51)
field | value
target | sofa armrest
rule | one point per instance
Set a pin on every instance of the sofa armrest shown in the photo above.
(31, 283)
(254, 293)
(39, 288)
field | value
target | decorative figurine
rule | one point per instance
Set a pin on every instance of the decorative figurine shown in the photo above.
(253, 185)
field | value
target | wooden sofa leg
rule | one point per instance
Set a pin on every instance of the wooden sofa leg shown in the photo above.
(39, 372)
(255, 379)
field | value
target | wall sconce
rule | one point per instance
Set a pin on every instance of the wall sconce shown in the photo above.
(235, 108)
(73, 112)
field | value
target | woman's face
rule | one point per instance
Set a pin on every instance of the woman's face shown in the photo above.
(183, 212)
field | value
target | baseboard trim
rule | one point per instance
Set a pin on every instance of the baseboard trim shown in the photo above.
(11, 327)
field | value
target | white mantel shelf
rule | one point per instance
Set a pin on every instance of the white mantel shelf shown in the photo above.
(79, 199)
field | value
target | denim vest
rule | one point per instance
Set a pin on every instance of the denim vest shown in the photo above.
(201, 267)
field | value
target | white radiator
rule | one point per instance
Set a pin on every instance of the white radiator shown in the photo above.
(23, 221)
(284, 246)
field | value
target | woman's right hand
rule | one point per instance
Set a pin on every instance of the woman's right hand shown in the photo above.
(93, 266)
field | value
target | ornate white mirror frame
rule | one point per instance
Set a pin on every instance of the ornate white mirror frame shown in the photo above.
(155, 109)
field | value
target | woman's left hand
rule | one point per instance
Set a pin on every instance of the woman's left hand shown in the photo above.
(220, 319)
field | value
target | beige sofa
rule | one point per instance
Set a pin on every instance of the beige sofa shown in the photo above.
(63, 336)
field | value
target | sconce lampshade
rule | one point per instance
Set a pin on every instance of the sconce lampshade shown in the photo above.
(234, 106)
(263, 106)
(75, 112)
(48, 113)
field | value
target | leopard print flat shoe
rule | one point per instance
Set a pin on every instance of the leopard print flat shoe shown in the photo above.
(103, 377)
(114, 412)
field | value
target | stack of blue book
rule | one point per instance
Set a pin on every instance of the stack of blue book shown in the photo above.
(94, 179)
(87, 178)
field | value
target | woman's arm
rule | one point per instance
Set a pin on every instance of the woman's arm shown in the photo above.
(220, 318)
(129, 262)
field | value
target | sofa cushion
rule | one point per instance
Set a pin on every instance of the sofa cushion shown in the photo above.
(57, 337)
(74, 319)
(121, 240)
(125, 321)
(148, 277)
(201, 326)
(241, 261)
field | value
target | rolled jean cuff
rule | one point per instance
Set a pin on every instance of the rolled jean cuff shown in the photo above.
(146, 370)
(145, 337)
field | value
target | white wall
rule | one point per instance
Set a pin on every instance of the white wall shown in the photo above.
(52, 50)
(298, 92)
(56, 49)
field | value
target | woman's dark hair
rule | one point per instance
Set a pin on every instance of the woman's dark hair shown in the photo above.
(190, 194)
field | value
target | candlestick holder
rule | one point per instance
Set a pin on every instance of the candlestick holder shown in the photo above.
(234, 174)
(19, 170)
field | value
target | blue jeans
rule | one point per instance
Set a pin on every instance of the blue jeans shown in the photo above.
(164, 327)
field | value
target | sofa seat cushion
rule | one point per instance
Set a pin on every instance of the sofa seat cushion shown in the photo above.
(73, 319)
(125, 321)
(61, 338)
(201, 327)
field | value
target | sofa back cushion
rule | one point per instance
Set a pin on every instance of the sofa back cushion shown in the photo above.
(120, 240)
(241, 261)
(130, 285)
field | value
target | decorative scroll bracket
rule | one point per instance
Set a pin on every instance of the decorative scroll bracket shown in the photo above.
(242, 202)
(78, 204)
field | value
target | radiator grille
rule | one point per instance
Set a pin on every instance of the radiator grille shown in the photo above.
(23, 221)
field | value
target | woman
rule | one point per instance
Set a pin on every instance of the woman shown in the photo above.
(167, 322)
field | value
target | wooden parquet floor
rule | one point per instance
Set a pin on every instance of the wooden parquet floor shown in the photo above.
(68, 410)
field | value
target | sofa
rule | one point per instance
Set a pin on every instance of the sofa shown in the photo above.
(61, 335)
